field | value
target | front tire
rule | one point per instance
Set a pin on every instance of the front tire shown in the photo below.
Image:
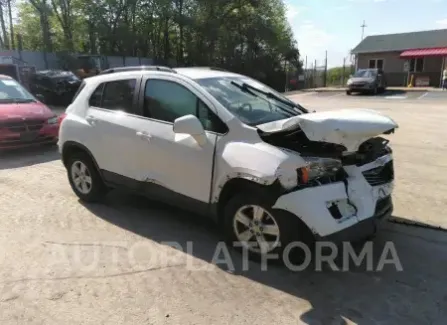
(348, 92)
(84, 178)
(251, 225)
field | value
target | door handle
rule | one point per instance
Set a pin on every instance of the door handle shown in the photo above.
(144, 135)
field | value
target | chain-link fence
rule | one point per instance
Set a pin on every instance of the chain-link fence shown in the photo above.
(317, 74)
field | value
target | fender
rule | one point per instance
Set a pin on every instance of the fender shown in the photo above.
(259, 162)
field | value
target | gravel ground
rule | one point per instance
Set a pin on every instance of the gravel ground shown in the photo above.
(63, 262)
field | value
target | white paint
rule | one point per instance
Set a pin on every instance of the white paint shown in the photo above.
(311, 204)
(423, 95)
(348, 127)
(395, 97)
(183, 162)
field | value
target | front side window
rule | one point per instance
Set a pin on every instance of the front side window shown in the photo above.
(114, 95)
(251, 106)
(166, 101)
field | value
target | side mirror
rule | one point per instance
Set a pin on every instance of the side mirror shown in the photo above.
(40, 97)
(189, 124)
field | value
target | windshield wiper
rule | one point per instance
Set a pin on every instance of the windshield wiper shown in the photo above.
(22, 100)
(270, 95)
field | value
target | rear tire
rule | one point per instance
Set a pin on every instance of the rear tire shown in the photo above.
(84, 178)
(240, 221)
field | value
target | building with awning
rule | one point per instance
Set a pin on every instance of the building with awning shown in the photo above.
(418, 56)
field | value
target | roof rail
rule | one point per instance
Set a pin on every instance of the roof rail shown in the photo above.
(207, 68)
(138, 68)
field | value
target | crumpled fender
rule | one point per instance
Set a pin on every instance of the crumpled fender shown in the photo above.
(258, 162)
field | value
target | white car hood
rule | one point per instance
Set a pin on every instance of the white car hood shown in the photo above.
(348, 127)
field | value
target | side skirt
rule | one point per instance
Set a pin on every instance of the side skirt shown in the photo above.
(158, 193)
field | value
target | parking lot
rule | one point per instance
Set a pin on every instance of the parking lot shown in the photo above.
(64, 262)
(420, 96)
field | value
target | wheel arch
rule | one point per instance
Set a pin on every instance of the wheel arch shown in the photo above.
(71, 147)
(237, 185)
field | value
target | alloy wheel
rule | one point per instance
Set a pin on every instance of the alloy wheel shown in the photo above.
(256, 229)
(81, 177)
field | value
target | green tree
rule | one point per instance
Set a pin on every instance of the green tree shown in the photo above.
(247, 36)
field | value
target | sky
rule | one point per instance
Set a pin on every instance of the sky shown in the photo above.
(334, 25)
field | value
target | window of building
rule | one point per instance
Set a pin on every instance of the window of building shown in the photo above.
(166, 101)
(376, 64)
(114, 95)
(417, 65)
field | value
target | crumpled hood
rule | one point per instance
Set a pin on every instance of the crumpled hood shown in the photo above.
(348, 127)
(24, 110)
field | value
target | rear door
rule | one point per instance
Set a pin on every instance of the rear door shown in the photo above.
(112, 138)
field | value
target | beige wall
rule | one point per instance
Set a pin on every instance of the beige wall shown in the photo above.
(393, 67)
(391, 61)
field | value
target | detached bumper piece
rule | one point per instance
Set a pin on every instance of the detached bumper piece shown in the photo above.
(365, 228)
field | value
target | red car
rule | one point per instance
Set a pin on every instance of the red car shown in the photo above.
(24, 120)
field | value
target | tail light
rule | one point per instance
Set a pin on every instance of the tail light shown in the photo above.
(61, 118)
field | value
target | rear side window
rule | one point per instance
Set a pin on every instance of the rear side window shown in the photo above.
(114, 95)
(95, 98)
(78, 91)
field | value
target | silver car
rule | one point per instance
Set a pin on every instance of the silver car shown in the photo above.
(366, 81)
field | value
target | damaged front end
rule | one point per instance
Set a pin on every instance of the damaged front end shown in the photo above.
(337, 188)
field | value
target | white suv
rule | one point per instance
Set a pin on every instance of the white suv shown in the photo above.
(228, 147)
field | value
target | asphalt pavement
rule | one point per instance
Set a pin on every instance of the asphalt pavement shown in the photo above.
(387, 95)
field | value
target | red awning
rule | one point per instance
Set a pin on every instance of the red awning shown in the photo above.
(439, 51)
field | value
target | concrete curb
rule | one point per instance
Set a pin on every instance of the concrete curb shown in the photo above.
(407, 222)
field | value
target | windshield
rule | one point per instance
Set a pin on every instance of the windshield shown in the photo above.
(251, 101)
(13, 92)
(365, 74)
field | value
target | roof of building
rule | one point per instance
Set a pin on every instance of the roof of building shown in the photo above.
(402, 41)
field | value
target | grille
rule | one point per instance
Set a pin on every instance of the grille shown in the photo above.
(380, 175)
(22, 126)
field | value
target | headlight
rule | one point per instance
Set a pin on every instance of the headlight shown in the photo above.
(52, 120)
(349, 82)
(318, 167)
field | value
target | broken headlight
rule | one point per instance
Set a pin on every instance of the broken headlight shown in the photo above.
(317, 168)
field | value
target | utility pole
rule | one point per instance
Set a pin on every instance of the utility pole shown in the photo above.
(325, 71)
(343, 73)
(363, 26)
(305, 73)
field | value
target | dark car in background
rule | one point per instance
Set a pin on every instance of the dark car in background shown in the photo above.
(371, 81)
(56, 87)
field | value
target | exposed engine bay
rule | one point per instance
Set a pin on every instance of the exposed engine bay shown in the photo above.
(297, 140)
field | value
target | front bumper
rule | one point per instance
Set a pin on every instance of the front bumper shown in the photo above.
(360, 87)
(365, 228)
(48, 134)
(359, 204)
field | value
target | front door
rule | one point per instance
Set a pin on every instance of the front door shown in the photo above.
(176, 161)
